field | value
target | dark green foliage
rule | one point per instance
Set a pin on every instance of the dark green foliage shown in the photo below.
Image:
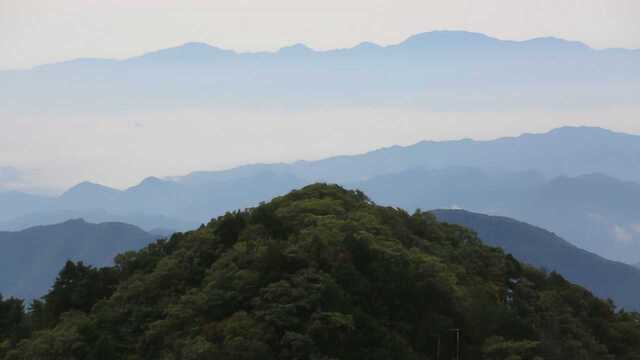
(78, 287)
(13, 323)
(322, 273)
(544, 249)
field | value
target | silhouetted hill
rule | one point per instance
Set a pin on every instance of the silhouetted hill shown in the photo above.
(536, 246)
(321, 273)
(30, 258)
(88, 193)
(50, 216)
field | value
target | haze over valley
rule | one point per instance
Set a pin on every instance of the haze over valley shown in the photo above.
(134, 116)
(188, 180)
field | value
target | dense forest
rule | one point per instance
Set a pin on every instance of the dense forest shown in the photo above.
(544, 249)
(321, 273)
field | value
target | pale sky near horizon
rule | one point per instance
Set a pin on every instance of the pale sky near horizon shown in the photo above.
(34, 32)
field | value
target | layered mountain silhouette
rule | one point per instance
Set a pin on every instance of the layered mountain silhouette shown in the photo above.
(536, 246)
(595, 212)
(30, 259)
(568, 151)
(439, 70)
(565, 181)
(154, 203)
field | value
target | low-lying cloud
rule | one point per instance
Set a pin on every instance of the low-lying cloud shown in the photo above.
(621, 234)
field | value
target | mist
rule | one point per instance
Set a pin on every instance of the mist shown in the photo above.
(120, 149)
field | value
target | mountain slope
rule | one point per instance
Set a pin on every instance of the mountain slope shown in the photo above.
(30, 258)
(566, 181)
(595, 212)
(569, 151)
(322, 273)
(536, 246)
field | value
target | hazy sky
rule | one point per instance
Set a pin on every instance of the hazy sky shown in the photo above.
(122, 150)
(46, 151)
(43, 31)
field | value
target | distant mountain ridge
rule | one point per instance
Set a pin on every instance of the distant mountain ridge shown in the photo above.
(439, 70)
(30, 259)
(595, 212)
(536, 246)
(570, 151)
(565, 180)
(433, 41)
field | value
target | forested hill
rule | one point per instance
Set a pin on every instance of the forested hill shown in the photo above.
(539, 247)
(321, 273)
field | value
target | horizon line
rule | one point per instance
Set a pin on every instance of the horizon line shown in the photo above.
(313, 50)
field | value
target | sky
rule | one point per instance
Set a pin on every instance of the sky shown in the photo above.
(34, 32)
(48, 154)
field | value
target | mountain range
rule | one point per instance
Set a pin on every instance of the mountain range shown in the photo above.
(404, 252)
(583, 186)
(595, 212)
(441, 70)
(30, 259)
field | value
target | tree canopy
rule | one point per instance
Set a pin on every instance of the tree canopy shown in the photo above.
(321, 273)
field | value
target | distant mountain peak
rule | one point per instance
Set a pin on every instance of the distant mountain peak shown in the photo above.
(201, 47)
(152, 180)
(86, 190)
(583, 130)
(556, 43)
(189, 52)
(448, 37)
(196, 45)
(77, 221)
(450, 34)
(296, 49)
(153, 184)
(88, 185)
